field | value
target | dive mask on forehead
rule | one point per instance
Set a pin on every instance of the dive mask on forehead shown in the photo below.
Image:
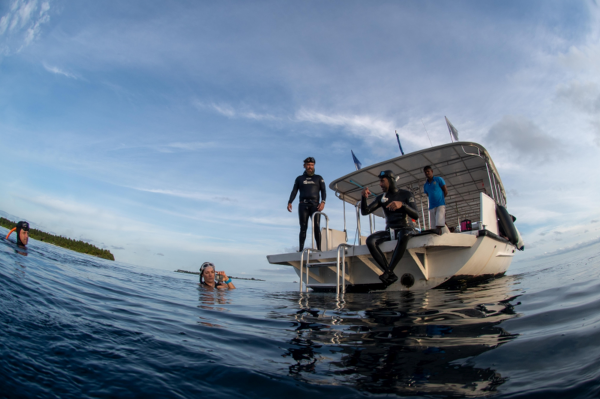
(205, 265)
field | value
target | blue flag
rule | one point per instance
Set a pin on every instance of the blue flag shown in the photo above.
(399, 145)
(356, 161)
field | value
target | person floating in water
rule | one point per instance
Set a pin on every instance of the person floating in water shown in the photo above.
(310, 185)
(22, 230)
(435, 188)
(398, 207)
(209, 277)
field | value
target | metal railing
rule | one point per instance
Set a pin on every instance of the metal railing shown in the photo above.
(307, 250)
(342, 246)
(340, 264)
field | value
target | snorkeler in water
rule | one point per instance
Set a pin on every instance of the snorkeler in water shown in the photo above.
(209, 277)
(22, 230)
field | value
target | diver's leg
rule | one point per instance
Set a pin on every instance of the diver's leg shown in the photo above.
(303, 215)
(403, 236)
(373, 242)
(317, 221)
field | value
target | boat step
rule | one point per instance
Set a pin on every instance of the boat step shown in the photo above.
(322, 264)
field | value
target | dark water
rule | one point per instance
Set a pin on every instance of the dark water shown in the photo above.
(73, 326)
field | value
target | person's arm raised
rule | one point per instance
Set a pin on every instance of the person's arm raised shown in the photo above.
(367, 209)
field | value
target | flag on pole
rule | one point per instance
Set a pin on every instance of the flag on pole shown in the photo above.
(356, 161)
(399, 145)
(452, 130)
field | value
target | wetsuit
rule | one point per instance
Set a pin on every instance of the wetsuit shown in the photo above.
(399, 220)
(310, 187)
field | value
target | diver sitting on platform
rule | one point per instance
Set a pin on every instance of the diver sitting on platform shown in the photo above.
(398, 207)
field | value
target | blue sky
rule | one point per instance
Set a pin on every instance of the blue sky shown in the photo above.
(171, 133)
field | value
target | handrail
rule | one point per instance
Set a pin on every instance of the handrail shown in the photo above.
(358, 226)
(307, 250)
(342, 247)
(326, 229)
(337, 277)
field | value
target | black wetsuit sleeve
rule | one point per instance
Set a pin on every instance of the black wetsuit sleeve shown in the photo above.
(294, 192)
(410, 211)
(323, 190)
(366, 209)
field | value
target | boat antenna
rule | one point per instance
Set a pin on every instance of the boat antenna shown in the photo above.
(426, 132)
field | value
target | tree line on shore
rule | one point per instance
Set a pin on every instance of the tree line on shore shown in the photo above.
(64, 242)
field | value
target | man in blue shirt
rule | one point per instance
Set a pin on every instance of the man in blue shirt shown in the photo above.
(435, 188)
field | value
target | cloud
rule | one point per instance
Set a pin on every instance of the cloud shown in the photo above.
(357, 124)
(22, 24)
(571, 248)
(159, 254)
(535, 215)
(178, 146)
(594, 221)
(58, 71)
(230, 112)
(522, 139)
(192, 146)
(584, 97)
(186, 194)
(117, 248)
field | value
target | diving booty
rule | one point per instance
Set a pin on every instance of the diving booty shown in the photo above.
(478, 242)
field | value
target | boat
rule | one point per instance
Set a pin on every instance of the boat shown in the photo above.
(479, 244)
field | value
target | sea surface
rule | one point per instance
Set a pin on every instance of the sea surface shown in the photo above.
(74, 326)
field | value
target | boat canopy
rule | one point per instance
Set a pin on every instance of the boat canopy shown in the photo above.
(466, 167)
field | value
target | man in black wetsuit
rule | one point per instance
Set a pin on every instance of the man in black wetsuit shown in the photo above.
(22, 229)
(399, 209)
(310, 185)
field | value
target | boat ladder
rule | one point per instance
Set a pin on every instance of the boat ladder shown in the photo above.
(340, 264)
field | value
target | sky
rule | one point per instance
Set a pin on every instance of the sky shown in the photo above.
(171, 133)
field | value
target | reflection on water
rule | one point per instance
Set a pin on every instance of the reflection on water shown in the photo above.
(400, 342)
(210, 299)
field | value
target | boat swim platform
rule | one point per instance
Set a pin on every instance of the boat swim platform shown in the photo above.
(430, 260)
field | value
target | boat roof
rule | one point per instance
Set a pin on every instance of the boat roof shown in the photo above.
(463, 165)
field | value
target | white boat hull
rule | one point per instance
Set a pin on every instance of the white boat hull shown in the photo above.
(430, 261)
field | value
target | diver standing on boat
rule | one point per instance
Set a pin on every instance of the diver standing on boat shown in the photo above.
(310, 186)
(399, 209)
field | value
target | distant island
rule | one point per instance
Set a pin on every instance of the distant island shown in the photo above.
(238, 278)
(60, 241)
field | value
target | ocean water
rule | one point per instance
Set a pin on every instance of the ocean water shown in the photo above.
(73, 326)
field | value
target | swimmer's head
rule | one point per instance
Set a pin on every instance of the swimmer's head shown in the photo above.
(309, 165)
(207, 273)
(22, 233)
(387, 181)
